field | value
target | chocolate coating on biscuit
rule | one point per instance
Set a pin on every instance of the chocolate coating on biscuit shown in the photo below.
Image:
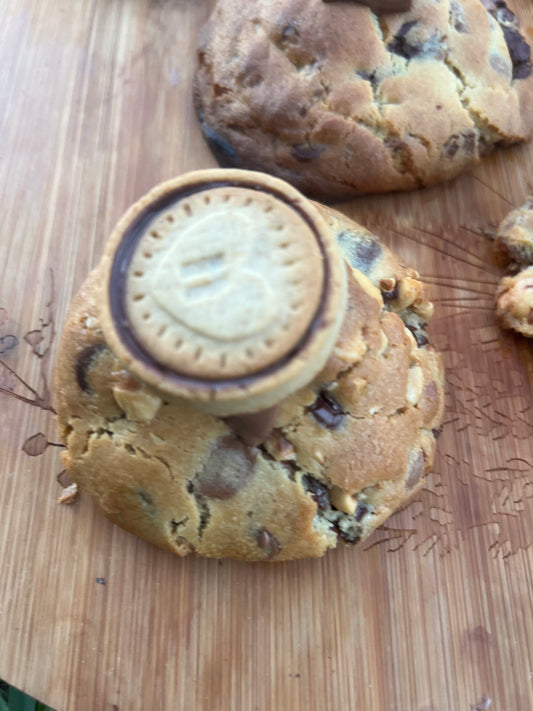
(117, 292)
(84, 362)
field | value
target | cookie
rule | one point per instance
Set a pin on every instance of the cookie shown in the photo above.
(514, 240)
(340, 101)
(514, 302)
(229, 292)
(328, 463)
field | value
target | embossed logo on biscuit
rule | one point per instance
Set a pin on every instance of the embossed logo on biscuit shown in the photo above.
(207, 280)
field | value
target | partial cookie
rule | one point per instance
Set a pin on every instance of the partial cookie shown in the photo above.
(340, 101)
(514, 241)
(514, 302)
(330, 462)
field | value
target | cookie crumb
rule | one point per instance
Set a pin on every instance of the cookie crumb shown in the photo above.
(483, 704)
(69, 495)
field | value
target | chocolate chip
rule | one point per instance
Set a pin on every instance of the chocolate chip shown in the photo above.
(349, 536)
(416, 468)
(437, 433)
(368, 76)
(361, 251)
(318, 491)
(420, 337)
(221, 148)
(84, 362)
(458, 19)
(466, 142)
(401, 45)
(519, 49)
(267, 542)
(327, 411)
(390, 295)
(520, 52)
(290, 34)
(306, 152)
(361, 510)
(228, 469)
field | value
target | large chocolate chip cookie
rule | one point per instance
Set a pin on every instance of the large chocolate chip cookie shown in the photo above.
(336, 454)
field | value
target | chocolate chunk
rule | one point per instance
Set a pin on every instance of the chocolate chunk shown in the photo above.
(221, 148)
(361, 510)
(84, 362)
(420, 337)
(327, 411)
(520, 52)
(290, 34)
(306, 152)
(318, 491)
(228, 469)
(390, 295)
(349, 536)
(457, 15)
(519, 49)
(267, 542)
(361, 251)
(255, 427)
(416, 468)
(466, 142)
(400, 44)
(437, 433)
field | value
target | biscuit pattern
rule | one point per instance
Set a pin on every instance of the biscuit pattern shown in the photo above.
(344, 452)
(340, 101)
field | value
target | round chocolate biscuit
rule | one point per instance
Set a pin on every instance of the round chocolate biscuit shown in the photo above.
(340, 101)
(224, 288)
(329, 464)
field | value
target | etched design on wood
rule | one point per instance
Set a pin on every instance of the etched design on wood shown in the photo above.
(40, 340)
(482, 483)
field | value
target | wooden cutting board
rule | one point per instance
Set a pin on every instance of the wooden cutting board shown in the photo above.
(433, 613)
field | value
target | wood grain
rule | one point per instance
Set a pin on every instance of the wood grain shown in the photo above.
(433, 613)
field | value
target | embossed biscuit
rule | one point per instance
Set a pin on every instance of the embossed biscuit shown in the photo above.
(339, 101)
(223, 287)
(335, 459)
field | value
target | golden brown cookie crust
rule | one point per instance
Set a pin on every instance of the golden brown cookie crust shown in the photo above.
(345, 451)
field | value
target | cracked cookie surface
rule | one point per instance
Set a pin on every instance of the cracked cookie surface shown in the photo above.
(340, 101)
(343, 453)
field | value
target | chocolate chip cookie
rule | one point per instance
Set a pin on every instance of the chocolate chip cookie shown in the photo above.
(514, 248)
(339, 101)
(235, 474)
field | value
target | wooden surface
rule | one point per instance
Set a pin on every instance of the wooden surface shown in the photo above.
(433, 613)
